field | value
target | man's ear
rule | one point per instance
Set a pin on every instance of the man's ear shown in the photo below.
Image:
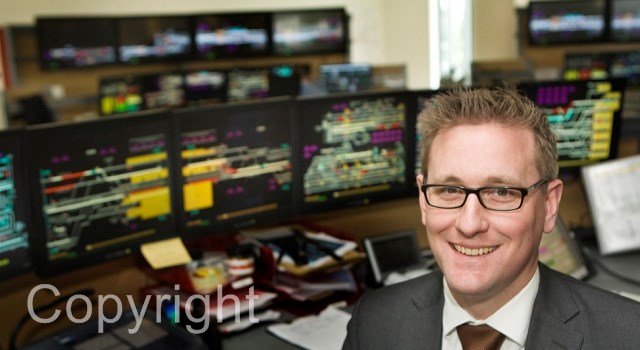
(421, 200)
(552, 203)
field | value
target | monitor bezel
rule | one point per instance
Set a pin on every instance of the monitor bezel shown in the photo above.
(23, 209)
(612, 35)
(242, 109)
(374, 253)
(616, 85)
(185, 56)
(342, 48)
(42, 265)
(583, 270)
(199, 55)
(554, 5)
(189, 97)
(42, 32)
(398, 191)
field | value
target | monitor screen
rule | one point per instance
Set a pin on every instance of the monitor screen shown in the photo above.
(118, 95)
(163, 90)
(625, 20)
(346, 77)
(584, 115)
(247, 84)
(205, 86)
(284, 80)
(559, 250)
(309, 32)
(101, 188)
(152, 39)
(352, 151)
(586, 66)
(76, 42)
(393, 252)
(566, 22)
(236, 165)
(231, 35)
(625, 65)
(15, 256)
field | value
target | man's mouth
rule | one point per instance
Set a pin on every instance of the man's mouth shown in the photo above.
(473, 251)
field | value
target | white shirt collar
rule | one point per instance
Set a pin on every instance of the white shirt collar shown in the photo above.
(512, 319)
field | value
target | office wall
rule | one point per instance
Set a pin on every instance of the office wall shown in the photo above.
(382, 32)
(373, 22)
(495, 30)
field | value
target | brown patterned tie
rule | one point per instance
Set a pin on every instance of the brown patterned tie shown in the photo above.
(481, 337)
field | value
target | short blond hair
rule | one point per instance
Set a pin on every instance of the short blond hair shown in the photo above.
(502, 105)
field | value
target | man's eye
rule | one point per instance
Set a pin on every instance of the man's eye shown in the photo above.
(451, 190)
(501, 192)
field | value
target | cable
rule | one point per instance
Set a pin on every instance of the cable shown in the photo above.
(16, 330)
(593, 258)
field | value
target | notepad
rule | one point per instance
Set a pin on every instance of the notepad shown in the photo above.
(613, 193)
(165, 253)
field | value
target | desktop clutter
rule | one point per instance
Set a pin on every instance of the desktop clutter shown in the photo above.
(255, 276)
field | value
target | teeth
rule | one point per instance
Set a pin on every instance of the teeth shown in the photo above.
(473, 252)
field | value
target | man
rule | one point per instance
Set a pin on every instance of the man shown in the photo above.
(489, 190)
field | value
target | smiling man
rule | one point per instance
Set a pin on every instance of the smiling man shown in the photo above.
(488, 192)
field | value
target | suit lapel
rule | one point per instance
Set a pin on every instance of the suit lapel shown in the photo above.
(426, 331)
(554, 307)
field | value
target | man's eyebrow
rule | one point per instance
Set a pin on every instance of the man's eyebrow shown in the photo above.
(489, 181)
(499, 180)
(449, 179)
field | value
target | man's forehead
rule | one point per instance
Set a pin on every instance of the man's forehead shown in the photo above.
(491, 150)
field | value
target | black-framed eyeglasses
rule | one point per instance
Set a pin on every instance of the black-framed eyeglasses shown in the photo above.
(498, 198)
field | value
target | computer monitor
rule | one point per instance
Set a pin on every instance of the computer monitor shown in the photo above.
(205, 86)
(118, 95)
(153, 39)
(560, 251)
(394, 252)
(586, 66)
(100, 189)
(247, 84)
(231, 35)
(15, 257)
(309, 32)
(133, 93)
(348, 77)
(76, 42)
(584, 115)
(163, 90)
(566, 22)
(236, 165)
(284, 80)
(625, 65)
(624, 17)
(352, 150)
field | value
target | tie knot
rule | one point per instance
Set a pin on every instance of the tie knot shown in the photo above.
(481, 337)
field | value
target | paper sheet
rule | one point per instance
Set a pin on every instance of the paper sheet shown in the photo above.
(325, 331)
(613, 191)
(166, 253)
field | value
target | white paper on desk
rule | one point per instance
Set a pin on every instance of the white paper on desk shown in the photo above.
(613, 191)
(325, 331)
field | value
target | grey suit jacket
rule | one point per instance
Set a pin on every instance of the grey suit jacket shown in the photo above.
(567, 314)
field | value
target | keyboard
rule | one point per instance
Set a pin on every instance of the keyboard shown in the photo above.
(115, 336)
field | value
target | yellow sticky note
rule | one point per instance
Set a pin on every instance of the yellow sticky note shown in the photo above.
(166, 253)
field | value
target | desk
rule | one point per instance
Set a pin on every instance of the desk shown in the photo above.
(625, 264)
(256, 337)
